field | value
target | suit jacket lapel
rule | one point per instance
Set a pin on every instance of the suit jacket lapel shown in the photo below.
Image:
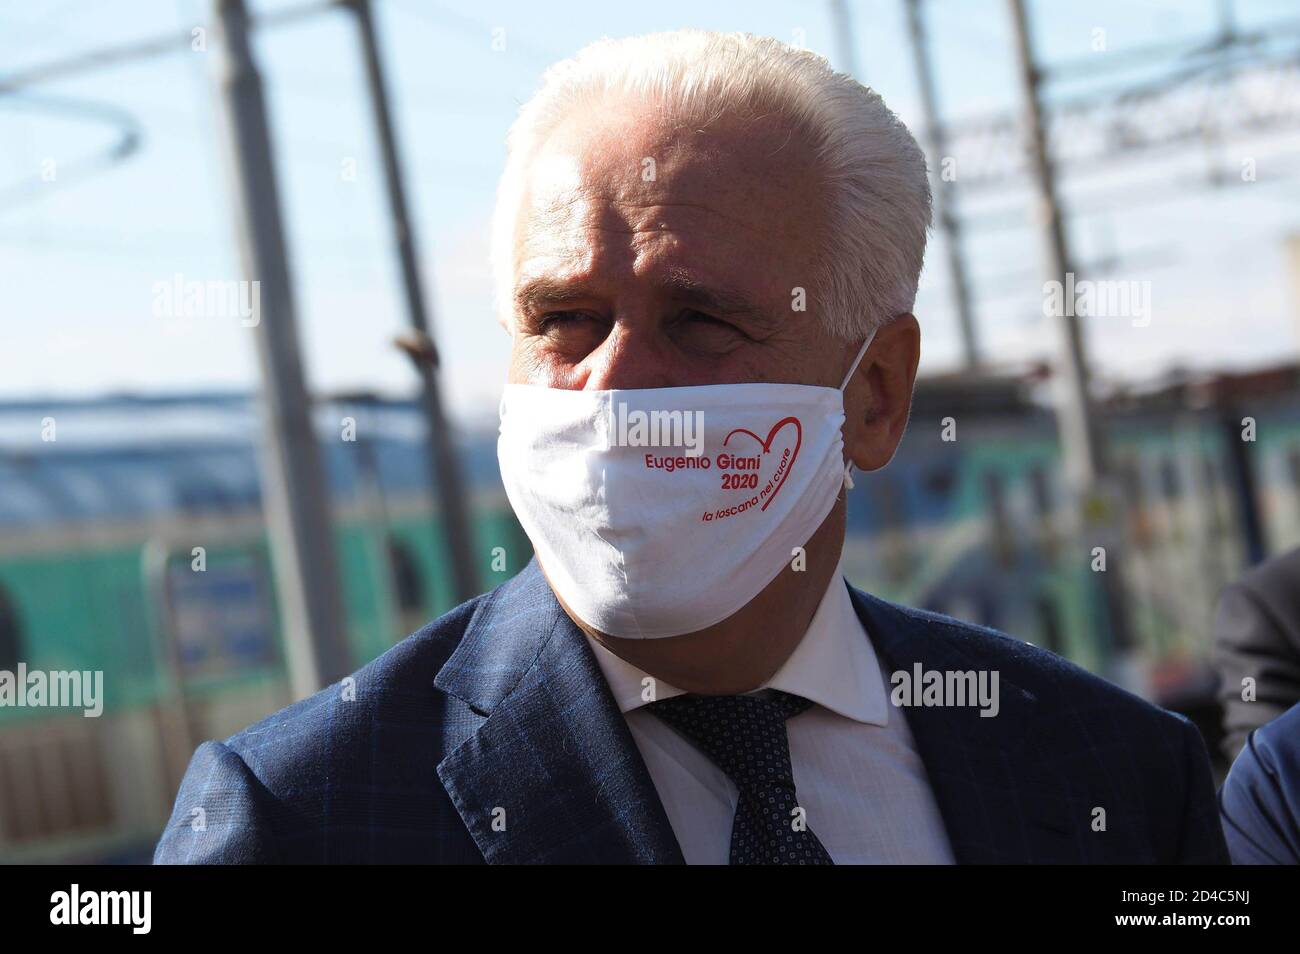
(997, 804)
(551, 774)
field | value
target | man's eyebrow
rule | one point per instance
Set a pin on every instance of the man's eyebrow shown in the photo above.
(544, 292)
(679, 286)
(686, 289)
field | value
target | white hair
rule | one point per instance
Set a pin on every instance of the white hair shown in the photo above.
(872, 173)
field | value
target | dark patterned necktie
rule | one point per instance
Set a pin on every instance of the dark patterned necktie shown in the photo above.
(745, 737)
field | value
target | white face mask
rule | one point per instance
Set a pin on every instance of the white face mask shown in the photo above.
(662, 511)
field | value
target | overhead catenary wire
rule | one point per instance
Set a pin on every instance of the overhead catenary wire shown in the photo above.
(175, 41)
(130, 136)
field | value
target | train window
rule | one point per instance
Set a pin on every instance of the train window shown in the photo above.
(1051, 632)
(995, 491)
(1040, 490)
(1130, 476)
(1170, 480)
(10, 647)
(1293, 466)
(407, 585)
(941, 481)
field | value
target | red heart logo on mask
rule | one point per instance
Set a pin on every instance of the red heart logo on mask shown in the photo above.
(767, 446)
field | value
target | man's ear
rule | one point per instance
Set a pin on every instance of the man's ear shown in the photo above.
(878, 397)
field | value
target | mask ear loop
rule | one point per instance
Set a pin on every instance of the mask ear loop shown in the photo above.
(848, 468)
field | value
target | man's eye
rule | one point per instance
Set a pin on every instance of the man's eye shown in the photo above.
(698, 320)
(559, 319)
(571, 333)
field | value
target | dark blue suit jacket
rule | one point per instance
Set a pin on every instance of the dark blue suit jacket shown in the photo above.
(1260, 799)
(491, 735)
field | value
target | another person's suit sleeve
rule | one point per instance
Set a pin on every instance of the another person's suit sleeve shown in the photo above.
(1260, 799)
(221, 814)
(1257, 636)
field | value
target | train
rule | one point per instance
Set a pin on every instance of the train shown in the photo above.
(132, 544)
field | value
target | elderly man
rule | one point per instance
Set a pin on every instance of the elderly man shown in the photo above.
(707, 249)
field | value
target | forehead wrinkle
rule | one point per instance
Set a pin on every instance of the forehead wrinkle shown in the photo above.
(695, 206)
(559, 206)
(613, 218)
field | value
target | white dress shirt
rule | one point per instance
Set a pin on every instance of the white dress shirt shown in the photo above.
(857, 773)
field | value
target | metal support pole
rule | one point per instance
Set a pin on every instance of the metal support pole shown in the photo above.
(1082, 444)
(448, 487)
(842, 22)
(1080, 437)
(295, 495)
(936, 141)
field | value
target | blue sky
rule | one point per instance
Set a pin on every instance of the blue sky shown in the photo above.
(79, 257)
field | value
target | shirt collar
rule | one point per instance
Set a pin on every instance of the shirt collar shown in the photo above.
(834, 665)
